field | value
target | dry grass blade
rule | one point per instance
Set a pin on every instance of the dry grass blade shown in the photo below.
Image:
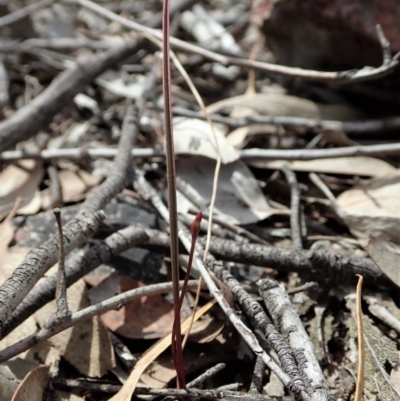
(151, 354)
(361, 347)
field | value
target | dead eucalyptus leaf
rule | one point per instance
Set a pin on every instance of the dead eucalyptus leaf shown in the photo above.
(7, 230)
(119, 85)
(19, 180)
(373, 208)
(8, 383)
(195, 137)
(386, 255)
(64, 396)
(125, 394)
(395, 377)
(39, 353)
(31, 388)
(147, 317)
(206, 330)
(380, 352)
(86, 346)
(239, 196)
(278, 104)
(364, 166)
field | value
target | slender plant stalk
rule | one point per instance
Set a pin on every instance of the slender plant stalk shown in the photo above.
(194, 230)
(361, 346)
(172, 203)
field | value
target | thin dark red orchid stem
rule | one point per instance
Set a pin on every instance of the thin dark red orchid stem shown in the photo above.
(172, 203)
(176, 341)
(194, 229)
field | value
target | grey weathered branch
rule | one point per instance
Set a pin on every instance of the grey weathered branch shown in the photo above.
(295, 220)
(288, 322)
(76, 231)
(324, 267)
(259, 319)
(116, 302)
(214, 394)
(148, 192)
(78, 265)
(34, 116)
(342, 77)
(387, 149)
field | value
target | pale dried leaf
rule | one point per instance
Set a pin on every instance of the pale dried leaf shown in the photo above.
(239, 196)
(8, 383)
(33, 206)
(115, 83)
(206, 330)
(373, 208)
(365, 166)
(71, 137)
(64, 396)
(238, 136)
(195, 137)
(87, 102)
(31, 388)
(386, 255)
(380, 352)
(73, 187)
(207, 31)
(86, 346)
(274, 386)
(7, 230)
(19, 180)
(39, 353)
(395, 377)
(276, 104)
(10, 261)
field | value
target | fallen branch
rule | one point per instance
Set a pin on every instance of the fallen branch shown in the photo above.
(387, 149)
(76, 231)
(341, 77)
(324, 267)
(77, 266)
(115, 302)
(148, 192)
(288, 322)
(90, 386)
(28, 120)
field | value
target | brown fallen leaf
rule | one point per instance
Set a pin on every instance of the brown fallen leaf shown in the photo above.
(386, 255)
(151, 354)
(31, 388)
(147, 317)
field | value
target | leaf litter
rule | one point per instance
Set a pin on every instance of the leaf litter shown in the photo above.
(251, 196)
